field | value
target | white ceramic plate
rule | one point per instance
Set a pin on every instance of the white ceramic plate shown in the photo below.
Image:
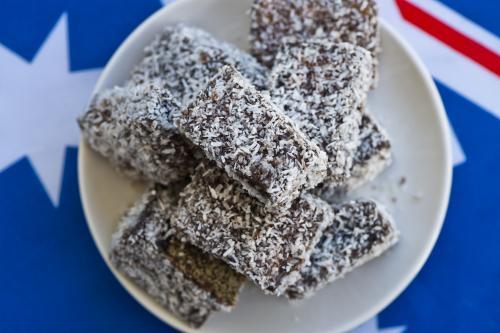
(407, 104)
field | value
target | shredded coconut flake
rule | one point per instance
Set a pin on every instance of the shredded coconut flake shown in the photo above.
(145, 249)
(372, 156)
(185, 58)
(351, 21)
(133, 128)
(268, 246)
(321, 85)
(360, 231)
(252, 140)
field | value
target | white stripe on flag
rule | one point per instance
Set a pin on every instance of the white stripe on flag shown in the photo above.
(447, 65)
(460, 23)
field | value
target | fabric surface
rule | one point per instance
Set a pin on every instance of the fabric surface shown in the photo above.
(53, 279)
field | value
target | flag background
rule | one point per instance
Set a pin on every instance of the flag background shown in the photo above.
(53, 278)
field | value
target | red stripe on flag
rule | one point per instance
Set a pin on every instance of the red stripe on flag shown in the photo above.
(451, 37)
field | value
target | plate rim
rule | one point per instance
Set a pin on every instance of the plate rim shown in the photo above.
(168, 318)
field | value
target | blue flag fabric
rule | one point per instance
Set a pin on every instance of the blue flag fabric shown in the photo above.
(53, 278)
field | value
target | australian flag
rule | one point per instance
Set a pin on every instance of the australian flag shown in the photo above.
(52, 277)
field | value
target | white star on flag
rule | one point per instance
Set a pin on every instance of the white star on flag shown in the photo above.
(371, 326)
(39, 103)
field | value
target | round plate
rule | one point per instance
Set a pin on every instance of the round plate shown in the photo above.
(408, 106)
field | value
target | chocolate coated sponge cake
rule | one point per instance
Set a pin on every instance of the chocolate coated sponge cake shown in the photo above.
(133, 128)
(321, 85)
(360, 231)
(372, 156)
(189, 283)
(351, 21)
(252, 140)
(270, 247)
(185, 58)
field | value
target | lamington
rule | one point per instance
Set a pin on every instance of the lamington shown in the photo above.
(372, 156)
(270, 247)
(180, 277)
(252, 140)
(351, 21)
(133, 128)
(321, 85)
(361, 230)
(185, 58)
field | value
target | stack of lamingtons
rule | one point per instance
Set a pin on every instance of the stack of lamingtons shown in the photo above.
(248, 156)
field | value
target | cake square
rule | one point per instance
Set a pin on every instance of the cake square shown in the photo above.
(270, 247)
(361, 230)
(321, 85)
(372, 156)
(351, 21)
(252, 140)
(189, 283)
(133, 128)
(185, 58)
